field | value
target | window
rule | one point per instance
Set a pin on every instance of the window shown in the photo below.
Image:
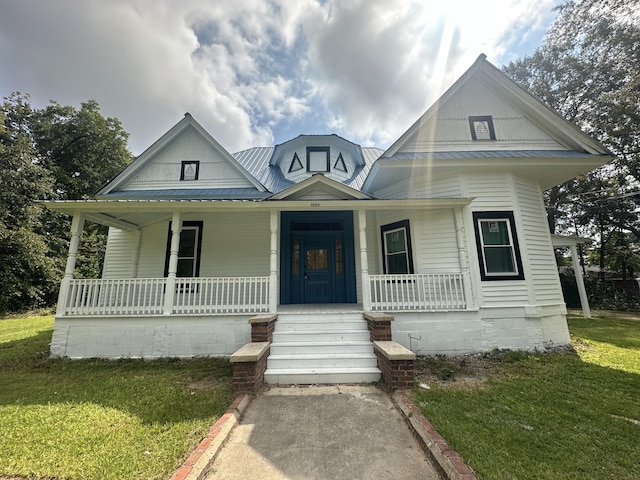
(396, 248)
(317, 159)
(296, 164)
(189, 170)
(340, 165)
(497, 245)
(188, 251)
(482, 128)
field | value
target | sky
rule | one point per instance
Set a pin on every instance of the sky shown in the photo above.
(258, 72)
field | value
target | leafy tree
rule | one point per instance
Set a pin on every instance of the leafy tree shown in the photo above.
(587, 69)
(57, 152)
(26, 270)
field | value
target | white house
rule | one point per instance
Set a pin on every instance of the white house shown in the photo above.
(445, 230)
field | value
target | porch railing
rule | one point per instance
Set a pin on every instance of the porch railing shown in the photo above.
(441, 291)
(146, 296)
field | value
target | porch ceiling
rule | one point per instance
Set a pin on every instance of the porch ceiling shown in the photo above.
(135, 214)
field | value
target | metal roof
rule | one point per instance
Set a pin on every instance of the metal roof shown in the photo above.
(488, 154)
(190, 193)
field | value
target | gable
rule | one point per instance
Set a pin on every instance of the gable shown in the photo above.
(486, 123)
(319, 187)
(185, 159)
(451, 128)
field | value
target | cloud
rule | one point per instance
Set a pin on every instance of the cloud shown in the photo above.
(252, 71)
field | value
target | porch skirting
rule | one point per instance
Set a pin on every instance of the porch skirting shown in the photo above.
(425, 333)
(482, 330)
(149, 336)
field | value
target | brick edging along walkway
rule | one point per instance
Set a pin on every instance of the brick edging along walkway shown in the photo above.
(197, 464)
(449, 460)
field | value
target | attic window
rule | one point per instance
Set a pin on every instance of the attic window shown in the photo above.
(340, 165)
(317, 159)
(296, 164)
(482, 128)
(190, 170)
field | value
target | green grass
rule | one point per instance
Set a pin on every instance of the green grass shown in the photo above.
(551, 416)
(100, 419)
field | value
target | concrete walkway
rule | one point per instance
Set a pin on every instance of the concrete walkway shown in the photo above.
(318, 433)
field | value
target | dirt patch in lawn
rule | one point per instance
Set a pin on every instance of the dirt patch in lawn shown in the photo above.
(469, 371)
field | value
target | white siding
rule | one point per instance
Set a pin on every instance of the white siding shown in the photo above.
(236, 245)
(435, 249)
(164, 171)
(490, 193)
(232, 245)
(450, 130)
(120, 254)
(423, 187)
(542, 264)
(433, 240)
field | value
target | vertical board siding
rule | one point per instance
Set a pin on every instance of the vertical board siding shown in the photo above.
(544, 271)
(494, 192)
(216, 171)
(120, 254)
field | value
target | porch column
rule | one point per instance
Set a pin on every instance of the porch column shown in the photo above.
(582, 291)
(170, 291)
(273, 263)
(462, 256)
(364, 261)
(77, 224)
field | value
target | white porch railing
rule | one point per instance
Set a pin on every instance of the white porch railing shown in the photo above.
(146, 296)
(222, 295)
(442, 291)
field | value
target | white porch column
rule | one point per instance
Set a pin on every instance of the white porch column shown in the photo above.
(462, 257)
(273, 263)
(77, 224)
(170, 291)
(582, 291)
(364, 261)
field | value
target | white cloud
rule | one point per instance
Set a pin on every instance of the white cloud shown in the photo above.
(250, 69)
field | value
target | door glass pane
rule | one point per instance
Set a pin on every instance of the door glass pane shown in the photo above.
(338, 247)
(295, 261)
(317, 259)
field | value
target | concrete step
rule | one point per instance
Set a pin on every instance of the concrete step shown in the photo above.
(321, 326)
(292, 348)
(311, 361)
(321, 336)
(284, 318)
(329, 375)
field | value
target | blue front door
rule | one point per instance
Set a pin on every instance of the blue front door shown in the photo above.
(317, 258)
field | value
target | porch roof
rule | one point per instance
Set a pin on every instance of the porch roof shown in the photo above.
(133, 214)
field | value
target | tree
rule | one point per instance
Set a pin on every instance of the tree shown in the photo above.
(587, 69)
(26, 270)
(57, 152)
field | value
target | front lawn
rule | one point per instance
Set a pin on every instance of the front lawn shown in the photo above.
(100, 419)
(549, 416)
